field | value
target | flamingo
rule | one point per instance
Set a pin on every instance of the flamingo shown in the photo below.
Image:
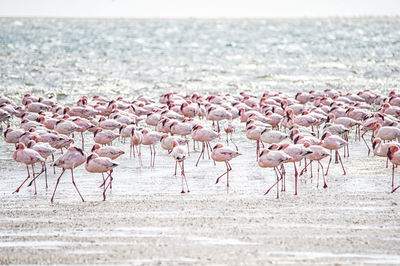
(386, 132)
(44, 149)
(73, 158)
(394, 157)
(107, 151)
(150, 139)
(96, 164)
(296, 152)
(333, 142)
(380, 149)
(136, 140)
(224, 154)
(13, 135)
(28, 157)
(272, 159)
(318, 153)
(179, 153)
(104, 137)
(205, 136)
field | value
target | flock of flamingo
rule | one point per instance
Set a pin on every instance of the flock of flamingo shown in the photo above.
(286, 129)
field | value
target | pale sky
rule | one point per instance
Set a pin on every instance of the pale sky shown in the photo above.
(198, 8)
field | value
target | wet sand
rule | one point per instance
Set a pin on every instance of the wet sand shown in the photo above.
(145, 220)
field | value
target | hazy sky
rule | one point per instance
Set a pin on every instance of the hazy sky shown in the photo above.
(198, 8)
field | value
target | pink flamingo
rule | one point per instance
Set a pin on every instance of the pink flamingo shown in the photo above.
(205, 136)
(28, 157)
(254, 133)
(272, 159)
(217, 114)
(318, 153)
(394, 157)
(224, 154)
(296, 152)
(107, 151)
(333, 142)
(96, 164)
(45, 150)
(150, 139)
(386, 132)
(83, 125)
(108, 124)
(380, 149)
(13, 135)
(104, 137)
(73, 158)
(179, 153)
(136, 141)
(229, 129)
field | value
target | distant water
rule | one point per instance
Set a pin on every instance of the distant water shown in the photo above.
(71, 57)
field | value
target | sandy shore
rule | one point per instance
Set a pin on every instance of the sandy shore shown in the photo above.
(145, 219)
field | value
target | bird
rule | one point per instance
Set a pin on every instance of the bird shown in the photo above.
(136, 143)
(179, 153)
(71, 159)
(296, 152)
(150, 139)
(273, 159)
(394, 157)
(205, 136)
(44, 149)
(333, 143)
(28, 157)
(104, 137)
(96, 164)
(386, 132)
(221, 153)
(107, 151)
(318, 153)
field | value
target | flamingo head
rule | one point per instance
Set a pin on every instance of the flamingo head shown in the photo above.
(95, 147)
(391, 150)
(20, 146)
(217, 146)
(325, 135)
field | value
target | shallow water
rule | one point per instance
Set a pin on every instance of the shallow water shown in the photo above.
(71, 57)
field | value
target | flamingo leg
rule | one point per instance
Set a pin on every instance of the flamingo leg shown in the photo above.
(322, 167)
(273, 184)
(201, 153)
(393, 178)
(184, 176)
(73, 182)
(176, 164)
(105, 180)
(83, 141)
(216, 182)
(140, 155)
(340, 159)
(257, 149)
(151, 156)
(35, 177)
(17, 190)
(208, 149)
(58, 180)
(318, 175)
(154, 155)
(330, 159)
(305, 168)
(366, 144)
(295, 178)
